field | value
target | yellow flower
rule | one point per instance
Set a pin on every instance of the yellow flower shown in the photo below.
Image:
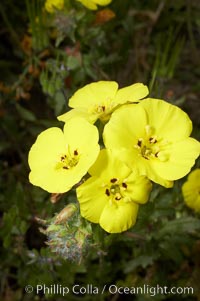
(112, 195)
(59, 159)
(92, 4)
(154, 137)
(51, 5)
(191, 190)
(100, 99)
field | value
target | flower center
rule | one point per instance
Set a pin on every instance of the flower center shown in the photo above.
(100, 109)
(150, 147)
(103, 110)
(116, 190)
(69, 160)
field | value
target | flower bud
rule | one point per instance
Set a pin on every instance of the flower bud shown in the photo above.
(65, 214)
(69, 236)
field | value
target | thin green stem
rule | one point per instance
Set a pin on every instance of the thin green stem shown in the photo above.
(9, 25)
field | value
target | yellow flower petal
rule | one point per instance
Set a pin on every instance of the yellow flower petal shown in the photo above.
(94, 93)
(111, 166)
(194, 177)
(92, 4)
(102, 2)
(43, 157)
(143, 166)
(154, 176)
(52, 180)
(89, 4)
(50, 139)
(59, 160)
(125, 127)
(114, 185)
(191, 190)
(168, 120)
(153, 137)
(51, 5)
(131, 93)
(181, 159)
(139, 187)
(74, 113)
(92, 199)
(100, 99)
(79, 132)
(116, 219)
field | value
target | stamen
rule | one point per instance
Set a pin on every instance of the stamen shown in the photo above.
(63, 158)
(110, 202)
(152, 140)
(76, 153)
(100, 109)
(124, 185)
(150, 146)
(118, 197)
(139, 143)
(68, 161)
(147, 152)
(149, 130)
(113, 180)
(137, 146)
(107, 192)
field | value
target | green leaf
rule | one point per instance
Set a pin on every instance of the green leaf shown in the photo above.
(25, 114)
(73, 62)
(181, 225)
(60, 102)
(170, 250)
(143, 261)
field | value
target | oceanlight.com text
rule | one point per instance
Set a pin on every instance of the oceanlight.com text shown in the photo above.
(90, 289)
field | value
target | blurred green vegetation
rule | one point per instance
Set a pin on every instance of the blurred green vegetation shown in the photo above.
(43, 60)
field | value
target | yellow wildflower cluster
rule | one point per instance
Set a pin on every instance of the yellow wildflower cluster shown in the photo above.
(144, 140)
(93, 4)
(52, 5)
(191, 190)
